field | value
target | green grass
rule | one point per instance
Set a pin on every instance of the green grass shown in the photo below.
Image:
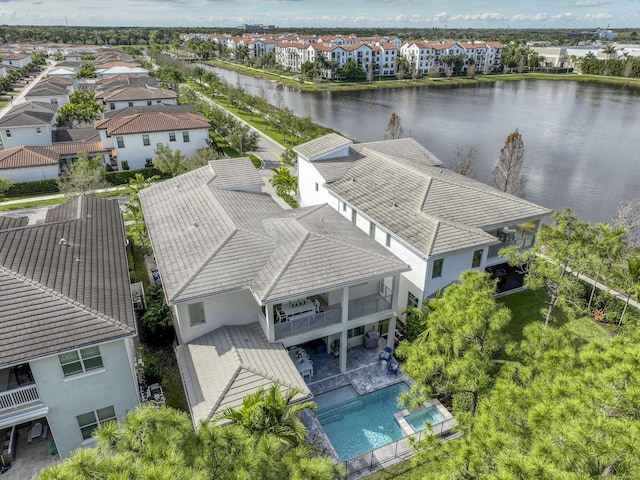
(34, 204)
(139, 270)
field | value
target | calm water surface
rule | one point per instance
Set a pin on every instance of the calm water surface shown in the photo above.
(582, 140)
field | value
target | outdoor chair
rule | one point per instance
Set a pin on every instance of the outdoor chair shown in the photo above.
(393, 367)
(386, 355)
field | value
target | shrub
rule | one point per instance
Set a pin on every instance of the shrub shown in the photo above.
(33, 187)
(123, 177)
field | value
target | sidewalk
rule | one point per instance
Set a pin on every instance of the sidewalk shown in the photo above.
(56, 195)
(18, 99)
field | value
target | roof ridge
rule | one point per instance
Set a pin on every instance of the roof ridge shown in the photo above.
(204, 263)
(292, 255)
(64, 298)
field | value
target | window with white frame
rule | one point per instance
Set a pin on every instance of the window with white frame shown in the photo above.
(344, 206)
(80, 361)
(354, 215)
(372, 229)
(89, 421)
(172, 136)
(7, 133)
(388, 240)
(477, 259)
(145, 140)
(120, 142)
(38, 131)
(185, 136)
(196, 313)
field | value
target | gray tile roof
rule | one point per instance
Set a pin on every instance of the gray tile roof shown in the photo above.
(122, 94)
(29, 114)
(153, 122)
(160, 107)
(221, 368)
(435, 210)
(323, 145)
(210, 236)
(7, 222)
(56, 295)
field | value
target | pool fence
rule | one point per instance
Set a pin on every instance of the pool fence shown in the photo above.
(396, 451)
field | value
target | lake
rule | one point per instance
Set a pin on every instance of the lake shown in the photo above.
(582, 140)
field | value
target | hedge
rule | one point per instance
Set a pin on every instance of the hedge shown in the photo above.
(123, 177)
(50, 185)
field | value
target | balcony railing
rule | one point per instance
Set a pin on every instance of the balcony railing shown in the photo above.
(19, 397)
(314, 321)
(369, 306)
(307, 323)
(522, 238)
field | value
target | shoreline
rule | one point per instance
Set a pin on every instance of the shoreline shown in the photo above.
(422, 82)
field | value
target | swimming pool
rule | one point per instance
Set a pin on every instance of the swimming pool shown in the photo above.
(356, 423)
(431, 414)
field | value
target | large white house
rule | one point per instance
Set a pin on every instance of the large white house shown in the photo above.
(51, 90)
(245, 279)
(134, 138)
(115, 99)
(437, 221)
(66, 325)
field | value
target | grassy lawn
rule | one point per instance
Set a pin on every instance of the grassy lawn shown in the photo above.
(34, 204)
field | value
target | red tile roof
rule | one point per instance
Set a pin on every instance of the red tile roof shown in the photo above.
(152, 122)
(24, 157)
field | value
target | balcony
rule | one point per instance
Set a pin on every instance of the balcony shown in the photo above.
(332, 314)
(519, 236)
(18, 398)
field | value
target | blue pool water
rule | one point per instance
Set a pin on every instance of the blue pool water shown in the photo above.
(431, 414)
(356, 424)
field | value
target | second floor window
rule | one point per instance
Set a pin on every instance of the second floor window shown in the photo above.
(89, 421)
(172, 136)
(120, 142)
(80, 361)
(196, 313)
(437, 268)
(145, 139)
(185, 136)
(372, 229)
(38, 131)
(7, 133)
(477, 258)
(412, 300)
(354, 215)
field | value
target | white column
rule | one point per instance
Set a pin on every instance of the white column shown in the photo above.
(395, 289)
(343, 351)
(343, 337)
(271, 331)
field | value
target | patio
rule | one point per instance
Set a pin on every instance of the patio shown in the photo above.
(364, 371)
(30, 459)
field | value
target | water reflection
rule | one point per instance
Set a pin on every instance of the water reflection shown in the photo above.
(581, 139)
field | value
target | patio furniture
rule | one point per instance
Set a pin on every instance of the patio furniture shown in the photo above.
(393, 367)
(298, 308)
(386, 355)
(370, 339)
(303, 364)
(34, 432)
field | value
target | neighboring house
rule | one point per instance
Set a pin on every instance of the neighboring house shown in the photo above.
(439, 222)
(232, 261)
(115, 99)
(53, 90)
(17, 60)
(126, 80)
(67, 323)
(29, 123)
(113, 69)
(135, 138)
(24, 164)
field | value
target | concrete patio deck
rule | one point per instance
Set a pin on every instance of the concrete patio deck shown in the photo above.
(364, 371)
(30, 459)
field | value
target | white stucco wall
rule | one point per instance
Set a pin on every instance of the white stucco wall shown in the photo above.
(135, 153)
(31, 173)
(452, 267)
(68, 397)
(140, 103)
(235, 308)
(26, 136)
(308, 177)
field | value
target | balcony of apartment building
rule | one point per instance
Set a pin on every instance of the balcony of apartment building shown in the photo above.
(323, 313)
(18, 390)
(523, 236)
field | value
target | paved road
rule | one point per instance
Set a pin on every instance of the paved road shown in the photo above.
(20, 97)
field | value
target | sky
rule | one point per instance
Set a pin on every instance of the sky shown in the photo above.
(326, 13)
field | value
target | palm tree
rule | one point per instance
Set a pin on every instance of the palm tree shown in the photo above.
(284, 182)
(629, 279)
(269, 412)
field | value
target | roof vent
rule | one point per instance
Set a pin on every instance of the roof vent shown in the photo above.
(195, 224)
(353, 179)
(395, 204)
(62, 242)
